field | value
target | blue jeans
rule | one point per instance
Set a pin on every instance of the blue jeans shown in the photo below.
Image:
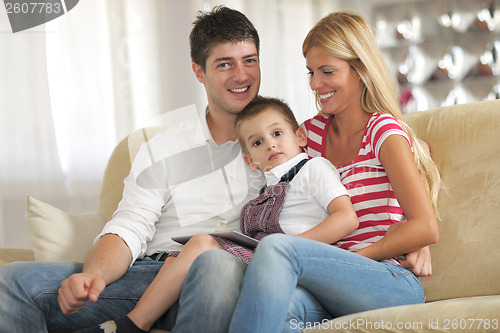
(341, 281)
(28, 296)
(213, 284)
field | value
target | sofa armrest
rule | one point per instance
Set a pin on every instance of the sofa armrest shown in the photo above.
(8, 255)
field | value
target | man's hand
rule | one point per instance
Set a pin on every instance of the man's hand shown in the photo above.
(418, 262)
(106, 262)
(77, 289)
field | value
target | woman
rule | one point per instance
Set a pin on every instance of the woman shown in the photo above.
(388, 176)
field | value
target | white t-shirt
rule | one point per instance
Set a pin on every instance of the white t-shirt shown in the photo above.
(310, 192)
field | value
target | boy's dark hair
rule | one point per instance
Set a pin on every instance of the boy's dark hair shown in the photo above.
(221, 25)
(257, 106)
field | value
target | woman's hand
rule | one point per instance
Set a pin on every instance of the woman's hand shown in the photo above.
(418, 262)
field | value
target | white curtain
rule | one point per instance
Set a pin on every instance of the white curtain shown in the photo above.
(57, 122)
(71, 89)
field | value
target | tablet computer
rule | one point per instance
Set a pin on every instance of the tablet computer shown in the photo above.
(234, 236)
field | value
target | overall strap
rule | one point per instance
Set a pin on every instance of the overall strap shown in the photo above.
(290, 174)
(293, 171)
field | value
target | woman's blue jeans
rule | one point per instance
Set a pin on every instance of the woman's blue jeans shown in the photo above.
(341, 281)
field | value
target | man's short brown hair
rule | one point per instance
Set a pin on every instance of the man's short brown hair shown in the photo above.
(221, 25)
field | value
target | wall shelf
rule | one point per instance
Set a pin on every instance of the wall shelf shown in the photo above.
(442, 52)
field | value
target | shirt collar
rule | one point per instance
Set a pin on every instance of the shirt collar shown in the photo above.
(206, 129)
(274, 175)
(204, 125)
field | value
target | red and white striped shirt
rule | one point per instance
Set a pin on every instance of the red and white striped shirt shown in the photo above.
(365, 178)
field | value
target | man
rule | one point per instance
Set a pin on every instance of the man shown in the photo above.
(200, 186)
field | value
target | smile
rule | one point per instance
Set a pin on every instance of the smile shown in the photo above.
(325, 96)
(239, 90)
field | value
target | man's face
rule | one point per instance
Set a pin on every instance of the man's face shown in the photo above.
(231, 76)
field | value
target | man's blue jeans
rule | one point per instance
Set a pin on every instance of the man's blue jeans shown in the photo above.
(28, 293)
(341, 281)
(28, 296)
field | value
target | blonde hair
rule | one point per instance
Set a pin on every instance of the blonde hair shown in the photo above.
(348, 36)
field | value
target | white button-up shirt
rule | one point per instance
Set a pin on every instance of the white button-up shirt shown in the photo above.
(181, 183)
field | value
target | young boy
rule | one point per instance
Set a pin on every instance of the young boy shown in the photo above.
(303, 199)
(316, 205)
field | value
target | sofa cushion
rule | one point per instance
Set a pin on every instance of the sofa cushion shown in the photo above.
(8, 255)
(118, 168)
(59, 236)
(464, 141)
(470, 314)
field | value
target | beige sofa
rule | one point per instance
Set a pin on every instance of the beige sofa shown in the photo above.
(463, 294)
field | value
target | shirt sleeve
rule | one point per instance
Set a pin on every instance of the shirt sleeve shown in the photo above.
(144, 196)
(324, 181)
(384, 126)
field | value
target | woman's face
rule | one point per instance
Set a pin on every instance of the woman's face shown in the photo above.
(337, 84)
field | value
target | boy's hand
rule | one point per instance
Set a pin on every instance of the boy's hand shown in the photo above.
(77, 289)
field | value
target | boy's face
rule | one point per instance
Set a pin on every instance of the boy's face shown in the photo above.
(270, 140)
(231, 76)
